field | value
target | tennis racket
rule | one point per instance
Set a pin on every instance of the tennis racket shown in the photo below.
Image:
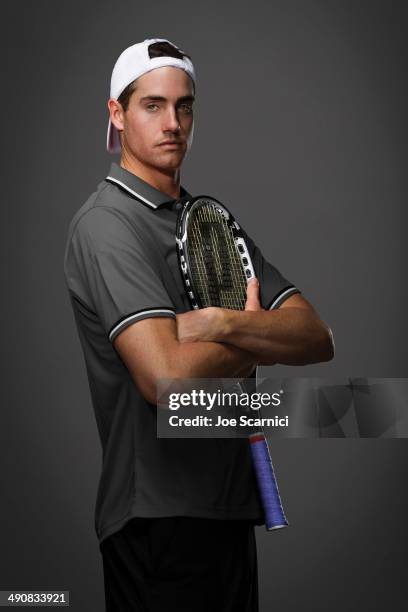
(216, 267)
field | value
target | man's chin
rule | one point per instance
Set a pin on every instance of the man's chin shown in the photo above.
(170, 159)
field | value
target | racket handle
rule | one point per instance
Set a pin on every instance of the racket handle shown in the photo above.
(274, 515)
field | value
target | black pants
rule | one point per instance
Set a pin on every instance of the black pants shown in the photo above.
(183, 564)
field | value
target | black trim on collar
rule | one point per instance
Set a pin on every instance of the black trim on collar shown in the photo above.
(139, 189)
(115, 181)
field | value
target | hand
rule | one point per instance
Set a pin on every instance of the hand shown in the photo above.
(253, 301)
(208, 324)
(204, 325)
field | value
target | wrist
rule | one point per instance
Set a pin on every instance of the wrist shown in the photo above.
(226, 324)
(218, 324)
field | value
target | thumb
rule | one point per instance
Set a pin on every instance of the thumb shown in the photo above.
(252, 301)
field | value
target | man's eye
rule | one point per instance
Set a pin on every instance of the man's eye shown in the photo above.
(149, 106)
(187, 108)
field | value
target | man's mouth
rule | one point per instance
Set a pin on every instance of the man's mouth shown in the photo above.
(170, 143)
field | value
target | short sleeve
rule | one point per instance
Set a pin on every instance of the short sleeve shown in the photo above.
(274, 287)
(114, 272)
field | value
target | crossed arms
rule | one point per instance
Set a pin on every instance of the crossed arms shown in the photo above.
(215, 342)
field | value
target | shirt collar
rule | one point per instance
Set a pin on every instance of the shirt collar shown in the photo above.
(139, 189)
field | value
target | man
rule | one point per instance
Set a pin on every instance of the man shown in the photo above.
(175, 518)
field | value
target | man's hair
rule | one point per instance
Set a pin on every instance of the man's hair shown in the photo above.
(157, 49)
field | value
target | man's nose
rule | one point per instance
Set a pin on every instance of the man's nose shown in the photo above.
(171, 123)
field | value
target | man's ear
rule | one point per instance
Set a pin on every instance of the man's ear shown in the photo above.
(116, 113)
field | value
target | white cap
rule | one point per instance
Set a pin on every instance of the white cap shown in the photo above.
(130, 65)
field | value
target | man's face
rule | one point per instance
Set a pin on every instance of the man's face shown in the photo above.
(160, 109)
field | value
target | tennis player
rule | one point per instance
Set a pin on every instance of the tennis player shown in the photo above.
(174, 518)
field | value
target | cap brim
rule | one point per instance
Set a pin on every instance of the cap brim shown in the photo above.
(112, 139)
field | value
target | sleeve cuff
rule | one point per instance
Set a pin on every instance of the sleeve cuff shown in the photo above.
(138, 316)
(282, 296)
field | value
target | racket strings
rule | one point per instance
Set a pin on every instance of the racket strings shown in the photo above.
(197, 265)
(233, 279)
(215, 264)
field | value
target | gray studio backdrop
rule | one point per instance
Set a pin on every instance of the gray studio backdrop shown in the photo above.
(301, 131)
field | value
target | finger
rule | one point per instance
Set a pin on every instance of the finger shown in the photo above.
(252, 301)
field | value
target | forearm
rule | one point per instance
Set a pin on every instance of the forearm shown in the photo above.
(209, 360)
(151, 350)
(200, 360)
(291, 336)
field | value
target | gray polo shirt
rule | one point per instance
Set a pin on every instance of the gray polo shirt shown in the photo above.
(121, 267)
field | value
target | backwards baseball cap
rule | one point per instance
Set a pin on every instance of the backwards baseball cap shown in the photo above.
(130, 65)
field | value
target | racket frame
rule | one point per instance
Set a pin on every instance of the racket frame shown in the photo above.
(187, 209)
